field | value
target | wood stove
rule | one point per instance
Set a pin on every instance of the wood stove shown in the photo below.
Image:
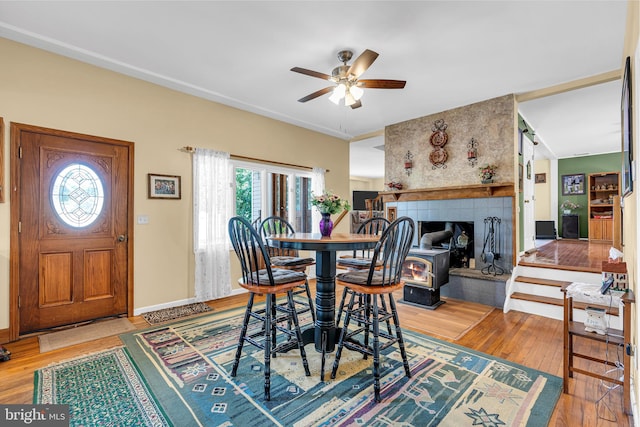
(422, 281)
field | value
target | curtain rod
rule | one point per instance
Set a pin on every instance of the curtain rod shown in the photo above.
(188, 149)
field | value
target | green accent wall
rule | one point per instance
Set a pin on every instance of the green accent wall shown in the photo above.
(588, 164)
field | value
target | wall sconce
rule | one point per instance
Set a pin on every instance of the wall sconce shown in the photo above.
(472, 152)
(408, 162)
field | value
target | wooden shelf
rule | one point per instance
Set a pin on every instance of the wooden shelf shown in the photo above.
(602, 229)
(614, 337)
(447, 193)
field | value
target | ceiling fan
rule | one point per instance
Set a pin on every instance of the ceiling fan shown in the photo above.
(347, 85)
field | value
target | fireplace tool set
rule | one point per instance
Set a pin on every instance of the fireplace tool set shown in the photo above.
(491, 248)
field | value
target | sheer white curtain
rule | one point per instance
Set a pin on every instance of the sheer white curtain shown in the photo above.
(317, 187)
(212, 208)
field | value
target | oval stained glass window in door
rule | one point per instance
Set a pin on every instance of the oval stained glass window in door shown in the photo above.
(77, 195)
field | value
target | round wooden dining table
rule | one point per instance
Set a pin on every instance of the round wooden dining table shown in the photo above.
(324, 334)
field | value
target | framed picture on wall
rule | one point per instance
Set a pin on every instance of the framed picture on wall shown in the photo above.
(626, 119)
(573, 184)
(164, 186)
(392, 213)
(541, 178)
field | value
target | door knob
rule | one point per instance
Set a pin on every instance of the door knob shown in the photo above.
(122, 238)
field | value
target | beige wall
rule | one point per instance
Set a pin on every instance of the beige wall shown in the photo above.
(366, 184)
(48, 90)
(630, 216)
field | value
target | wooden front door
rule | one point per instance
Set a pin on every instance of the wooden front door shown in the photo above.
(71, 220)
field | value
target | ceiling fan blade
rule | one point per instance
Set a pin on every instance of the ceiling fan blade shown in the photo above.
(316, 94)
(356, 104)
(363, 62)
(381, 84)
(311, 73)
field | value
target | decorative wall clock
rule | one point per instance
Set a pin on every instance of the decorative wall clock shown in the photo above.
(438, 140)
(438, 157)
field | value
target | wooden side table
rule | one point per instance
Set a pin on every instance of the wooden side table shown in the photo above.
(574, 329)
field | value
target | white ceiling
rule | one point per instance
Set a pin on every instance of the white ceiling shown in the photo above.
(451, 53)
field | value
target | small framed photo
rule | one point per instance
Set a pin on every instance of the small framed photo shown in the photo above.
(164, 186)
(573, 184)
(541, 178)
(392, 213)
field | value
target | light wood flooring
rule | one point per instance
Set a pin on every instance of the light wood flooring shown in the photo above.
(569, 254)
(527, 339)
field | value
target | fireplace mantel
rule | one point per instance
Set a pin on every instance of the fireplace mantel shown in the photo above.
(446, 193)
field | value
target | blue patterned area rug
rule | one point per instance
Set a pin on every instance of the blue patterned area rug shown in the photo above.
(101, 389)
(187, 366)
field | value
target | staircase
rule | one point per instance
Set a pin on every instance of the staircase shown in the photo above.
(537, 290)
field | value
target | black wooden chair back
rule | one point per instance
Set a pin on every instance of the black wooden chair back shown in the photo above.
(390, 252)
(250, 249)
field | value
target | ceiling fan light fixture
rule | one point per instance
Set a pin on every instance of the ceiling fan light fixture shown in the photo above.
(356, 91)
(338, 93)
(335, 98)
(345, 77)
(349, 99)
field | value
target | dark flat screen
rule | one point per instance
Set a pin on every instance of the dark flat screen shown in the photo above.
(360, 196)
(545, 230)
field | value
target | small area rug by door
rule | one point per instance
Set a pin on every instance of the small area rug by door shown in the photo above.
(186, 367)
(80, 334)
(167, 314)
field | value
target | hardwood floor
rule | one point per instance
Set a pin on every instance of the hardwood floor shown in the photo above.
(523, 338)
(569, 254)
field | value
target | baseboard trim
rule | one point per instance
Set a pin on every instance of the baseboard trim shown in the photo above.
(4, 336)
(171, 304)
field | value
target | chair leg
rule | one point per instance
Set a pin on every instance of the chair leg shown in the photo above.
(376, 349)
(367, 316)
(345, 291)
(268, 335)
(294, 315)
(310, 299)
(243, 334)
(396, 321)
(384, 307)
(343, 333)
(274, 315)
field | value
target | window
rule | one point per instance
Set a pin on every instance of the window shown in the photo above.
(77, 195)
(264, 190)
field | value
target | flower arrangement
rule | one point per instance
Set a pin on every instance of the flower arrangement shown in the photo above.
(487, 172)
(568, 205)
(328, 203)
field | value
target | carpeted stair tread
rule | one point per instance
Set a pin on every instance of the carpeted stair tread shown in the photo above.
(559, 302)
(541, 281)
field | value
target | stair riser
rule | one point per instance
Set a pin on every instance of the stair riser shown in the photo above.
(537, 308)
(561, 275)
(535, 289)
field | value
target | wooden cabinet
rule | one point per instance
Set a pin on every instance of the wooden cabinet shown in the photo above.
(603, 187)
(600, 229)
